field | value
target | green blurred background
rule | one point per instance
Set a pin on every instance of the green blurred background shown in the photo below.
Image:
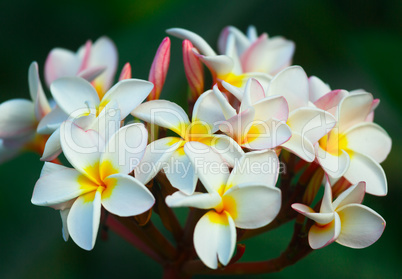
(349, 44)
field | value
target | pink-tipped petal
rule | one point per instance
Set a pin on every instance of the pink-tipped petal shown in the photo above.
(330, 101)
(271, 107)
(61, 63)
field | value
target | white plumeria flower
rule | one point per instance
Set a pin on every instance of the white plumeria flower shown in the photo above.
(76, 97)
(258, 53)
(345, 220)
(355, 147)
(245, 198)
(168, 153)
(227, 66)
(96, 62)
(99, 178)
(19, 119)
(307, 122)
(260, 122)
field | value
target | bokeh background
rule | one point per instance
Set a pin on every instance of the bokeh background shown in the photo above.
(349, 44)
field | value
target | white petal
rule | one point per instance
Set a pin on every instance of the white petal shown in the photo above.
(124, 150)
(82, 149)
(83, 220)
(180, 172)
(74, 95)
(215, 238)
(208, 110)
(253, 92)
(252, 205)
(227, 110)
(321, 218)
(128, 94)
(300, 146)
(364, 168)
(361, 226)
(291, 83)
(335, 166)
(17, 119)
(52, 147)
(157, 154)
(229, 150)
(317, 88)
(321, 236)
(267, 134)
(209, 166)
(38, 96)
(255, 167)
(126, 196)
(271, 107)
(219, 64)
(61, 63)
(236, 91)
(238, 126)
(49, 168)
(165, 114)
(354, 194)
(326, 203)
(268, 55)
(353, 109)
(107, 123)
(104, 54)
(242, 42)
(197, 200)
(51, 121)
(311, 123)
(195, 39)
(60, 186)
(64, 215)
(369, 139)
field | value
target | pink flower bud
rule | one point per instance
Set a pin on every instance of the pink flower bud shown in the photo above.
(160, 65)
(125, 72)
(193, 68)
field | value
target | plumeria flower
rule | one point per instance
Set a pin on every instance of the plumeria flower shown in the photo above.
(260, 122)
(19, 119)
(92, 60)
(226, 66)
(258, 53)
(355, 147)
(99, 178)
(245, 198)
(168, 153)
(307, 122)
(77, 97)
(344, 220)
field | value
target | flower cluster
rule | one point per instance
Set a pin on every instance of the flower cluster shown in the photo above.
(261, 121)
